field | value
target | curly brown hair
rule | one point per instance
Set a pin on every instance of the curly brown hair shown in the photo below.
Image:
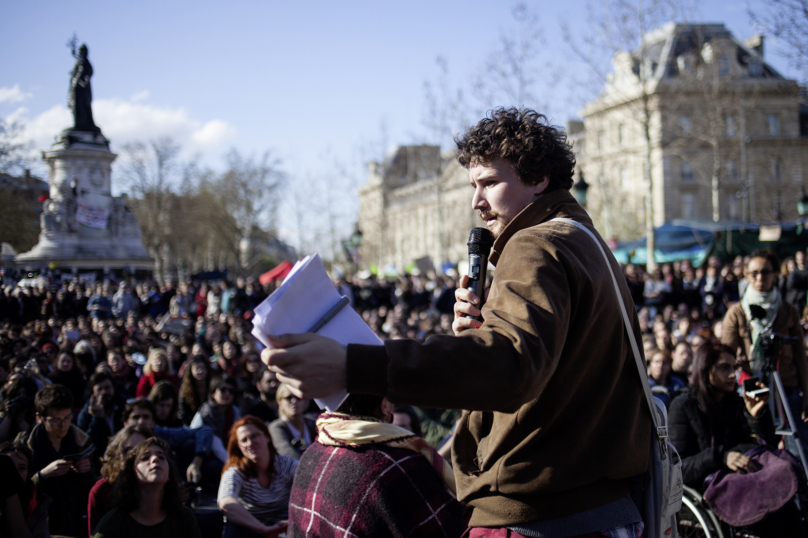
(126, 490)
(115, 454)
(524, 137)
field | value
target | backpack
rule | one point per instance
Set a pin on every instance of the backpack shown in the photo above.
(657, 492)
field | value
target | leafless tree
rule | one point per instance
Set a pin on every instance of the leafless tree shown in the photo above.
(787, 20)
(13, 150)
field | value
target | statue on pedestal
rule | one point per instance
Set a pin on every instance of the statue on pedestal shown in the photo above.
(80, 97)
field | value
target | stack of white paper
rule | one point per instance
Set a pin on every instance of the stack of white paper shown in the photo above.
(304, 296)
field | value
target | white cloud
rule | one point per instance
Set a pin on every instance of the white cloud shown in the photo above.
(213, 134)
(13, 94)
(124, 121)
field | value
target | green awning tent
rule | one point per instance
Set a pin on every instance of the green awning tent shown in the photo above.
(697, 240)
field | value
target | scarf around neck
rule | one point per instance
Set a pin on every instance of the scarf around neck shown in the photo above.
(771, 302)
(347, 431)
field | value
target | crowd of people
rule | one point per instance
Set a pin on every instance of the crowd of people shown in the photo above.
(124, 403)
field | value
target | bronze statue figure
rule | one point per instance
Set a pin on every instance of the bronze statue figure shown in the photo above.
(81, 95)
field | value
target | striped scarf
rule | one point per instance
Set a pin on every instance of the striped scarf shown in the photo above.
(348, 431)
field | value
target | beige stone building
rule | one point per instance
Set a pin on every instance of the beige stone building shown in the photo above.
(725, 134)
(416, 205)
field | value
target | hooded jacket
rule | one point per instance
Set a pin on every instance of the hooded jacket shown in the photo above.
(558, 423)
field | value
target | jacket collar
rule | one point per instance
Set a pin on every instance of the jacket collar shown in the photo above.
(559, 203)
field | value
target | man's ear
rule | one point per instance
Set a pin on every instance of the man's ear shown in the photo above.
(387, 406)
(39, 419)
(542, 185)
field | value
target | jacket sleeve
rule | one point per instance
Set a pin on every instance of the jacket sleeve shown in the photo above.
(698, 460)
(282, 440)
(143, 387)
(202, 437)
(762, 426)
(497, 367)
(730, 333)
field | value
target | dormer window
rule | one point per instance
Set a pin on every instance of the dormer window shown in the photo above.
(723, 65)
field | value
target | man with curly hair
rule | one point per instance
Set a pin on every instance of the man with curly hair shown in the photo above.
(555, 426)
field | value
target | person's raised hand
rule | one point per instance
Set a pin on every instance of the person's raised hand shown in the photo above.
(805, 407)
(740, 464)
(55, 468)
(82, 466)
(465, 304)
(312, 365)
(96, 407)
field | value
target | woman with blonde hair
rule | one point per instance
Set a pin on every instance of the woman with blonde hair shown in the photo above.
(256, 482)
(156, 369)
(99, 502)
(293, 432)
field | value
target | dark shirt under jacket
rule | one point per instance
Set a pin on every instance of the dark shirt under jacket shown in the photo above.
(259, 409)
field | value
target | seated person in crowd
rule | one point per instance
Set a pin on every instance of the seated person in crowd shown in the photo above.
(191, 446)
(66, 372)
(18, 407)
(264, 406)
(712, 427)
(146, 498)
(12, 520)
(406, 417)
(293, 432)
(164, 397)
(34, 503)
(156, 369)
(194, 388)
(100, 417)
(255, 486)
(124, 375)
(219, 413)
(664, 386)
(57, 470)
(372, 478)
(681, 359)
(100, 500)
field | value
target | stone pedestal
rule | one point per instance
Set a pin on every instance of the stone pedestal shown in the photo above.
(83, 225)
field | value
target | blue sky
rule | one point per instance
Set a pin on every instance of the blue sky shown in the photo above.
(311, 81)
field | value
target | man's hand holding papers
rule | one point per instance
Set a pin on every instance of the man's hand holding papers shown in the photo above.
(313, 366)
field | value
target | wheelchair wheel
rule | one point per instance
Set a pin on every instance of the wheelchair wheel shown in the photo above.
(695, 520)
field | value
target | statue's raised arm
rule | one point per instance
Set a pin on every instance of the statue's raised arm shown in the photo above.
(80, 97)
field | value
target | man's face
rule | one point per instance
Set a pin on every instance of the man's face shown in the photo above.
(268, 385)
(57, 422)
(105, 389)
(140, 417)
(659, 367)
(500, 194)
(760, 274)
(682, 357)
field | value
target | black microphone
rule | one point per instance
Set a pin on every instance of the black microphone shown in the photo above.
(480, 243)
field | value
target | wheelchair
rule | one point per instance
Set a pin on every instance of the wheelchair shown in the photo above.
(696, 520)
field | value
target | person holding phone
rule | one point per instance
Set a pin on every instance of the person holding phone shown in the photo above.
(60, 463)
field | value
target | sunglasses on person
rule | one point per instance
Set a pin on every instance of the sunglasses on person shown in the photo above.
(226, 390)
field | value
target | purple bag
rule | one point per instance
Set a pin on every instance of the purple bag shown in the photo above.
(743, 499)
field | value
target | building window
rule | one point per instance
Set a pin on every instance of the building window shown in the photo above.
(731, 126)
(601, 141)
(777, 170)
(685, 124)
(687, 172)
(723, 65)
(621, 134)
(796, 173)
(733, 206)
(773, 122)
(732, 169)
(688, 205)
(625, 182)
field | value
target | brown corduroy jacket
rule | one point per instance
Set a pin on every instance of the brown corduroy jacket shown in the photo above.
(558, 422)
(791, 358)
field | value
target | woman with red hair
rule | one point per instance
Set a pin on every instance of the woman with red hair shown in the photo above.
(256, 482)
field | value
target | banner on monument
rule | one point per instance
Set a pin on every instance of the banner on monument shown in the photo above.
(92, 216)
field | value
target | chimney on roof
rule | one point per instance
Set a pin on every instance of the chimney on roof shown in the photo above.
(756, 42)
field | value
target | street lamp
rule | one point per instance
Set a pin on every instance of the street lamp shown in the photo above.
(579, 189)
(356, 237)
(802, 203)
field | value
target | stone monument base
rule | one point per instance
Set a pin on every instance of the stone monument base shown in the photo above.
(83, 225)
